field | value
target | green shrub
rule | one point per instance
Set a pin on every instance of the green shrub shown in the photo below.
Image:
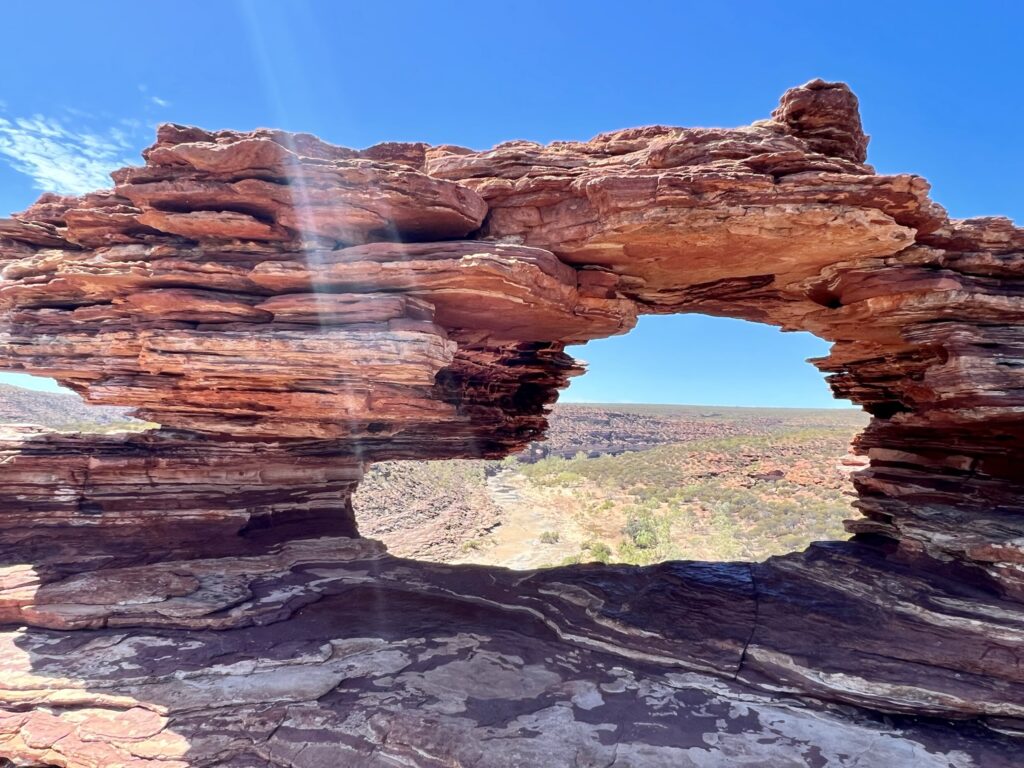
(599, 551)
(642, 530)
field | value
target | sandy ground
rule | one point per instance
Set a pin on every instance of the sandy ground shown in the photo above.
(527, 512)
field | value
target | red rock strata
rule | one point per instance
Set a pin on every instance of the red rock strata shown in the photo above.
(289, 310)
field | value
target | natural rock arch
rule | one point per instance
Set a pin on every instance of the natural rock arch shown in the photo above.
(289, 310)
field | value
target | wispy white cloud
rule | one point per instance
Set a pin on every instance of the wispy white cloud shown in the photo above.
(160, 102)
(58, 159)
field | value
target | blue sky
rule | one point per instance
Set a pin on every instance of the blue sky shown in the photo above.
(940, 87)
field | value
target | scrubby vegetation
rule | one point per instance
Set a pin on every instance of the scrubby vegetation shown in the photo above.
(770, 483)
(128, 425)
(745, 497)
(431, 509)
(65, 412)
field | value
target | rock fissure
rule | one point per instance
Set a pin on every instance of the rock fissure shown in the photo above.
(753, 624)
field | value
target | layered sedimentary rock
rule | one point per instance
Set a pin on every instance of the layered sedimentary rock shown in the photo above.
(138, 497)
(288, 311)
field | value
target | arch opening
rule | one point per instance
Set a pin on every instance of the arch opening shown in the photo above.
(43, 402)
(692, 437)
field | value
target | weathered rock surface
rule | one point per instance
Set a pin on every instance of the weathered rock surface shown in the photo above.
(325, 649)
(289, 311)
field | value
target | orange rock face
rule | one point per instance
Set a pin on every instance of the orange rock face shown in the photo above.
(288, 310)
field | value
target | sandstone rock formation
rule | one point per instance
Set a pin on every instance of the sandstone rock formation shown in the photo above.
(290, 311)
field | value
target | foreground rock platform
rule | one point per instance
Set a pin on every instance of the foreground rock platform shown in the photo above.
(328, 651)
(290, 311)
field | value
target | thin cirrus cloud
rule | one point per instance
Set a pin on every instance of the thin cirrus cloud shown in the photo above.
(59, 159)
(154, 99)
